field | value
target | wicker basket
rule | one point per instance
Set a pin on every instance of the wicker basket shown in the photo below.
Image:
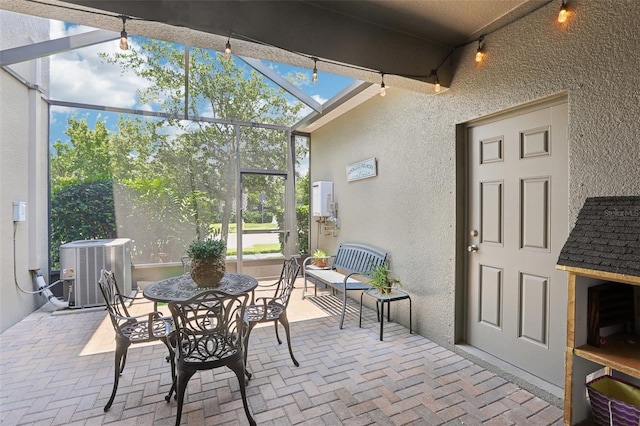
(614, 402)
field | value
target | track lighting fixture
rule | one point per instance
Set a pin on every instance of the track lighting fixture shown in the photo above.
(383, 89)
(436, 82)
(227, 49)
(315, 70)
(564, 13)
(124, 45)
(480, 52)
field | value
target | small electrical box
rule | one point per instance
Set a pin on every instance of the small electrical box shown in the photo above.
(321, 198)
(19, 211)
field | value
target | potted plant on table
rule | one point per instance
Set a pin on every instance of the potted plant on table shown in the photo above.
(320, 258)
(208, 261)
(381, 279)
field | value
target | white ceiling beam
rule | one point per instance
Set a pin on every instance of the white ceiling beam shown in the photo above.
(344, 97)
(51, 47)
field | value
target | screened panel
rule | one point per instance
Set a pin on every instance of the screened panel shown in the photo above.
(231, 89)
(302, 192)
(263, 207)
(324, 88)
(154, 159)
(263, 149)
(149, 76)
(161, 184)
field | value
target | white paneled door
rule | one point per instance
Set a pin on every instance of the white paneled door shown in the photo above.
(517, 224)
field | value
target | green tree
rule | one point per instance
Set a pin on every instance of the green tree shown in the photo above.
(82, 211)
(85, 158)
(82, 204)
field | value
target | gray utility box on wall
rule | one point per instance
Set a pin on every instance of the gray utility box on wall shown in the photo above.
(80, 265)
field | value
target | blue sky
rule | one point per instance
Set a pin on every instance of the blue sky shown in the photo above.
(82, 76)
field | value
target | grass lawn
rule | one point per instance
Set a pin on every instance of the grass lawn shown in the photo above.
(249, 226)
(257, 249)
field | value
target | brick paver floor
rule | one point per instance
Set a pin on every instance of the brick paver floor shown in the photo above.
(57, 368)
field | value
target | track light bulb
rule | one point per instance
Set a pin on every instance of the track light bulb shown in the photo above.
(436, 82)
(562, 16)
(315, 72)
(227, 50)
(479, 52)
(124, 44)
(564, 13)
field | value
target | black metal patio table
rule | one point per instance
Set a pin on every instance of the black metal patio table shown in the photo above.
(183, 287)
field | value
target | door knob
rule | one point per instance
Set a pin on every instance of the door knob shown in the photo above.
(472, 248)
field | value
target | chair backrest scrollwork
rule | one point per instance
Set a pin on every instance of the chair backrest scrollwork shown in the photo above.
(210, 327)
(116, 305)
(286, 282)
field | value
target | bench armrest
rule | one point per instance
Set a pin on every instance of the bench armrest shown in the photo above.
(357, 276)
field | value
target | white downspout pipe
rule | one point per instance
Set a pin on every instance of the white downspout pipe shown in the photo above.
(44, 290)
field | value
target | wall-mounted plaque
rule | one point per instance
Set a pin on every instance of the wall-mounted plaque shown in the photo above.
(362, 169)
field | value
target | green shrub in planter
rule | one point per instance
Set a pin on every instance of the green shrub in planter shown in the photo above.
(208, 261)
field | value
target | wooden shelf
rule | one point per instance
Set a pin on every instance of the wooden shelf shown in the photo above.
(618, 353)
(607, 276)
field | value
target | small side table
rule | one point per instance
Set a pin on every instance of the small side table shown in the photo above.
(381, 299)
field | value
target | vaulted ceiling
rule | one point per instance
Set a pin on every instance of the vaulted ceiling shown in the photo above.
(404, 39)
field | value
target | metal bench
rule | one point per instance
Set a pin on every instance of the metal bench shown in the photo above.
(352, 261)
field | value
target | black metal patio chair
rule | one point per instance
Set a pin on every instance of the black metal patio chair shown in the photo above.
(130, 329)
(274, 308)
(186, 263)
(210, 333)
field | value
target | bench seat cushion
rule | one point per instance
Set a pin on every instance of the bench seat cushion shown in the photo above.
(336, 279)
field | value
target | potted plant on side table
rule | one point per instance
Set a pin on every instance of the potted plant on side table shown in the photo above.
(208, 261)
(381, 279)
(320, 258)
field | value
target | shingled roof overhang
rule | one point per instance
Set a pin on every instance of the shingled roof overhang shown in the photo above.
(605, 238)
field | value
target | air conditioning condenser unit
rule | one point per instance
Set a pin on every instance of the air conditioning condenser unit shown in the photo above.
(80, 265)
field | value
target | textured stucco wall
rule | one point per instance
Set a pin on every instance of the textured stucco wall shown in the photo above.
(409, 209)
(23, 169)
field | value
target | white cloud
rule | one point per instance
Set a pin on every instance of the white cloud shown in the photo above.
(320, 99)
(81, 75)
